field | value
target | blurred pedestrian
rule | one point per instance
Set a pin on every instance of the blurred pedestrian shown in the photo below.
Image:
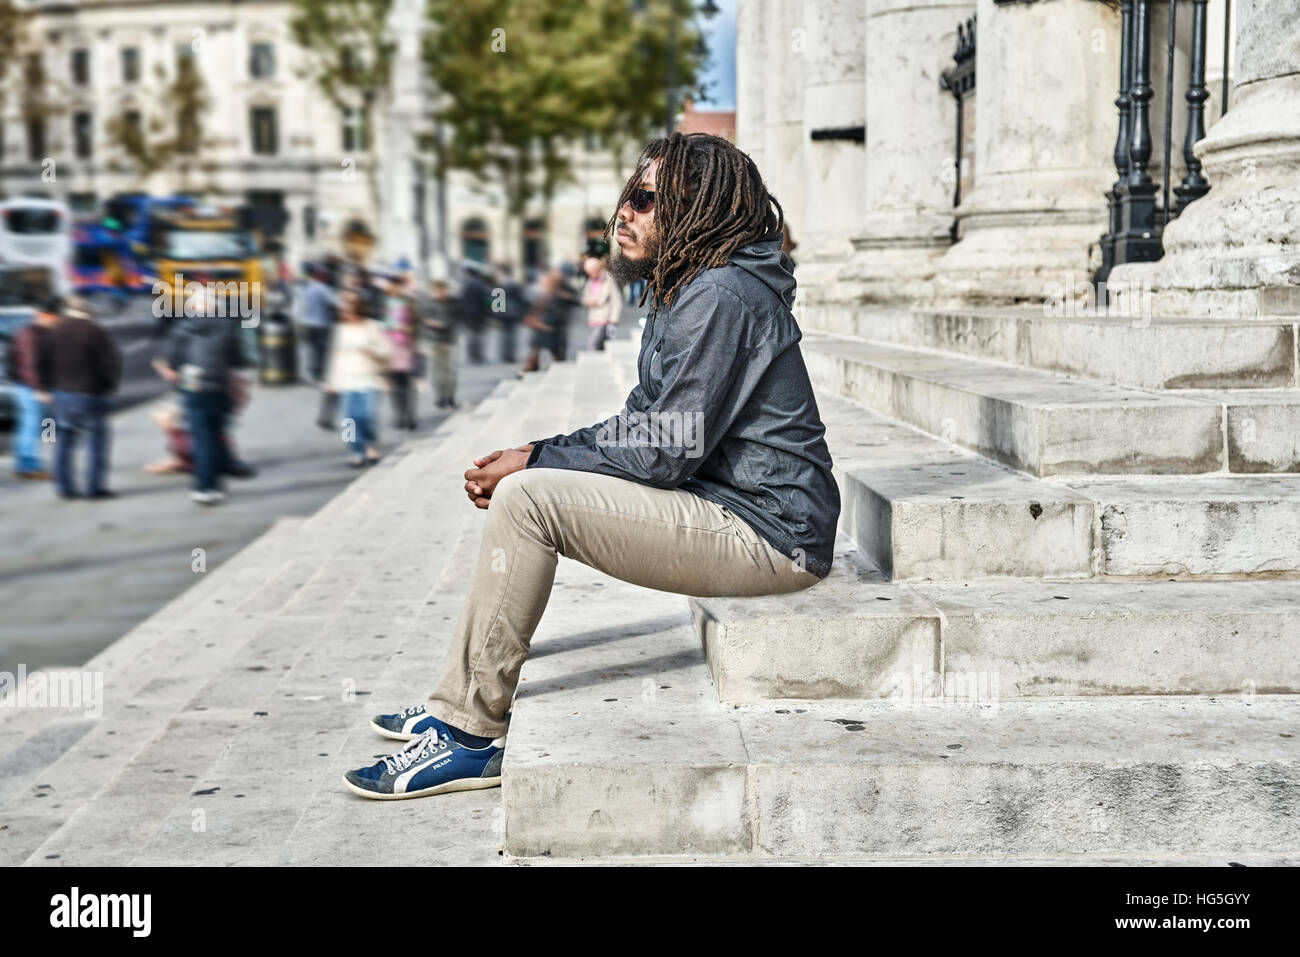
(474, 309)
(440, 319)
(80, 367)
(401, 330)
(171, 419)
(358, 360)
(33, 400)
(200, 358)
(604, 302)
(548, 313)
(317, 312)
(512, 316)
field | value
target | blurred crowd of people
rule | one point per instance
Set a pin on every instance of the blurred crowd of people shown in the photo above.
(365, 334)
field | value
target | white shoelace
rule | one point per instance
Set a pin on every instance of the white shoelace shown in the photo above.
(424, 744)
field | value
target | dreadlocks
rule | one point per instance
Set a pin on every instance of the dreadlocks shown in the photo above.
(709, 201)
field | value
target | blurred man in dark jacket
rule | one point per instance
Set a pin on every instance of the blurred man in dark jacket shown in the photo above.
(438, 316)
(515, 306)
(80, 367)
(199, 358)
(474, 309)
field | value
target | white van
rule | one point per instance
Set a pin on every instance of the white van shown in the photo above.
(38, 232)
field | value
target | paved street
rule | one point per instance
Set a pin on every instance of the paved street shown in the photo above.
(74, 576)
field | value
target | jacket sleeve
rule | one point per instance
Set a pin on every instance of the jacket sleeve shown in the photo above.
(710, 368)
(635, 402)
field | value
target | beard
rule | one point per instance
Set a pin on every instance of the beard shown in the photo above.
(626, 270)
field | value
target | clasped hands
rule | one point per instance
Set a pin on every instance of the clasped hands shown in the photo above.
(482, 479)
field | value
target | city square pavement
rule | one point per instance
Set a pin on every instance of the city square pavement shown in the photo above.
(76, 575)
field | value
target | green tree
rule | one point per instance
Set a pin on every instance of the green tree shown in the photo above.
(349, 50)
(172, 137)
(523, 81)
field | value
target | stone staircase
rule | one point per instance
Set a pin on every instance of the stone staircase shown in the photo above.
(1061, 627)
(231, 714)
(998, 667)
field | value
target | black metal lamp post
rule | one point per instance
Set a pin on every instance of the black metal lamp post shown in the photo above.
(1194, 184)
(1135, 233)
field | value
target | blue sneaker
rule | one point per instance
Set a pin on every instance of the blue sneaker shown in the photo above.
(434, 763)
(407, 725)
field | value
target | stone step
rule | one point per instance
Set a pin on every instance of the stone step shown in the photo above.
(1204, 526)
(857, 635)
(318, 680)
(32, 737)
(1046, 424)
(306, 590)
(336, 826)
(921, 508)
(619, 748)
(1150, 353)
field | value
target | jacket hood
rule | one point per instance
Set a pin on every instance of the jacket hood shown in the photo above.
(765, 261)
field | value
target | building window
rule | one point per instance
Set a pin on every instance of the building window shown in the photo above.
(348, 64)
(265, 134)
(130, 64)
(187, 133)
(133, 126)
(83, 204)
(261, 61)
(475, 240)
(36, 139)
(81, 66)
(34, 71)
(83, 135)
(356, 130)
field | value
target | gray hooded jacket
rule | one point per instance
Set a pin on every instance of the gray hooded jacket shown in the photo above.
(724, 409)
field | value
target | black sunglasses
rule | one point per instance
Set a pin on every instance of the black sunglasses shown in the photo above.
(641, 200)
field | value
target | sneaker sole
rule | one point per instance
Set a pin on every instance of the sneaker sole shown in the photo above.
(461, 784)
(395, 735)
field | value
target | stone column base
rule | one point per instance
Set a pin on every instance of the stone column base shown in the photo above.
(1235, 252)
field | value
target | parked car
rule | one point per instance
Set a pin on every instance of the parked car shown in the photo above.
(22, 288)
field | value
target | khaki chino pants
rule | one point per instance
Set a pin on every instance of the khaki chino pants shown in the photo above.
(666, 539)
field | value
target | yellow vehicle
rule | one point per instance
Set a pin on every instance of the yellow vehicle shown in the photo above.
(208, 247)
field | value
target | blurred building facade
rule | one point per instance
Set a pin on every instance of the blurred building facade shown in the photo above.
(270, 138)
(967, 151)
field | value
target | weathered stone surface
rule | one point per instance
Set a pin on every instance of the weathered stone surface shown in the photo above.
(1033, 421)
(1154, 353)
(1212, 525)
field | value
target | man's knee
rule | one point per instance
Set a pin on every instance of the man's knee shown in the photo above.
(518, 490)
(528, 491)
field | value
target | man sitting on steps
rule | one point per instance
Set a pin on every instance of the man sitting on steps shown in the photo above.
(714, 479)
